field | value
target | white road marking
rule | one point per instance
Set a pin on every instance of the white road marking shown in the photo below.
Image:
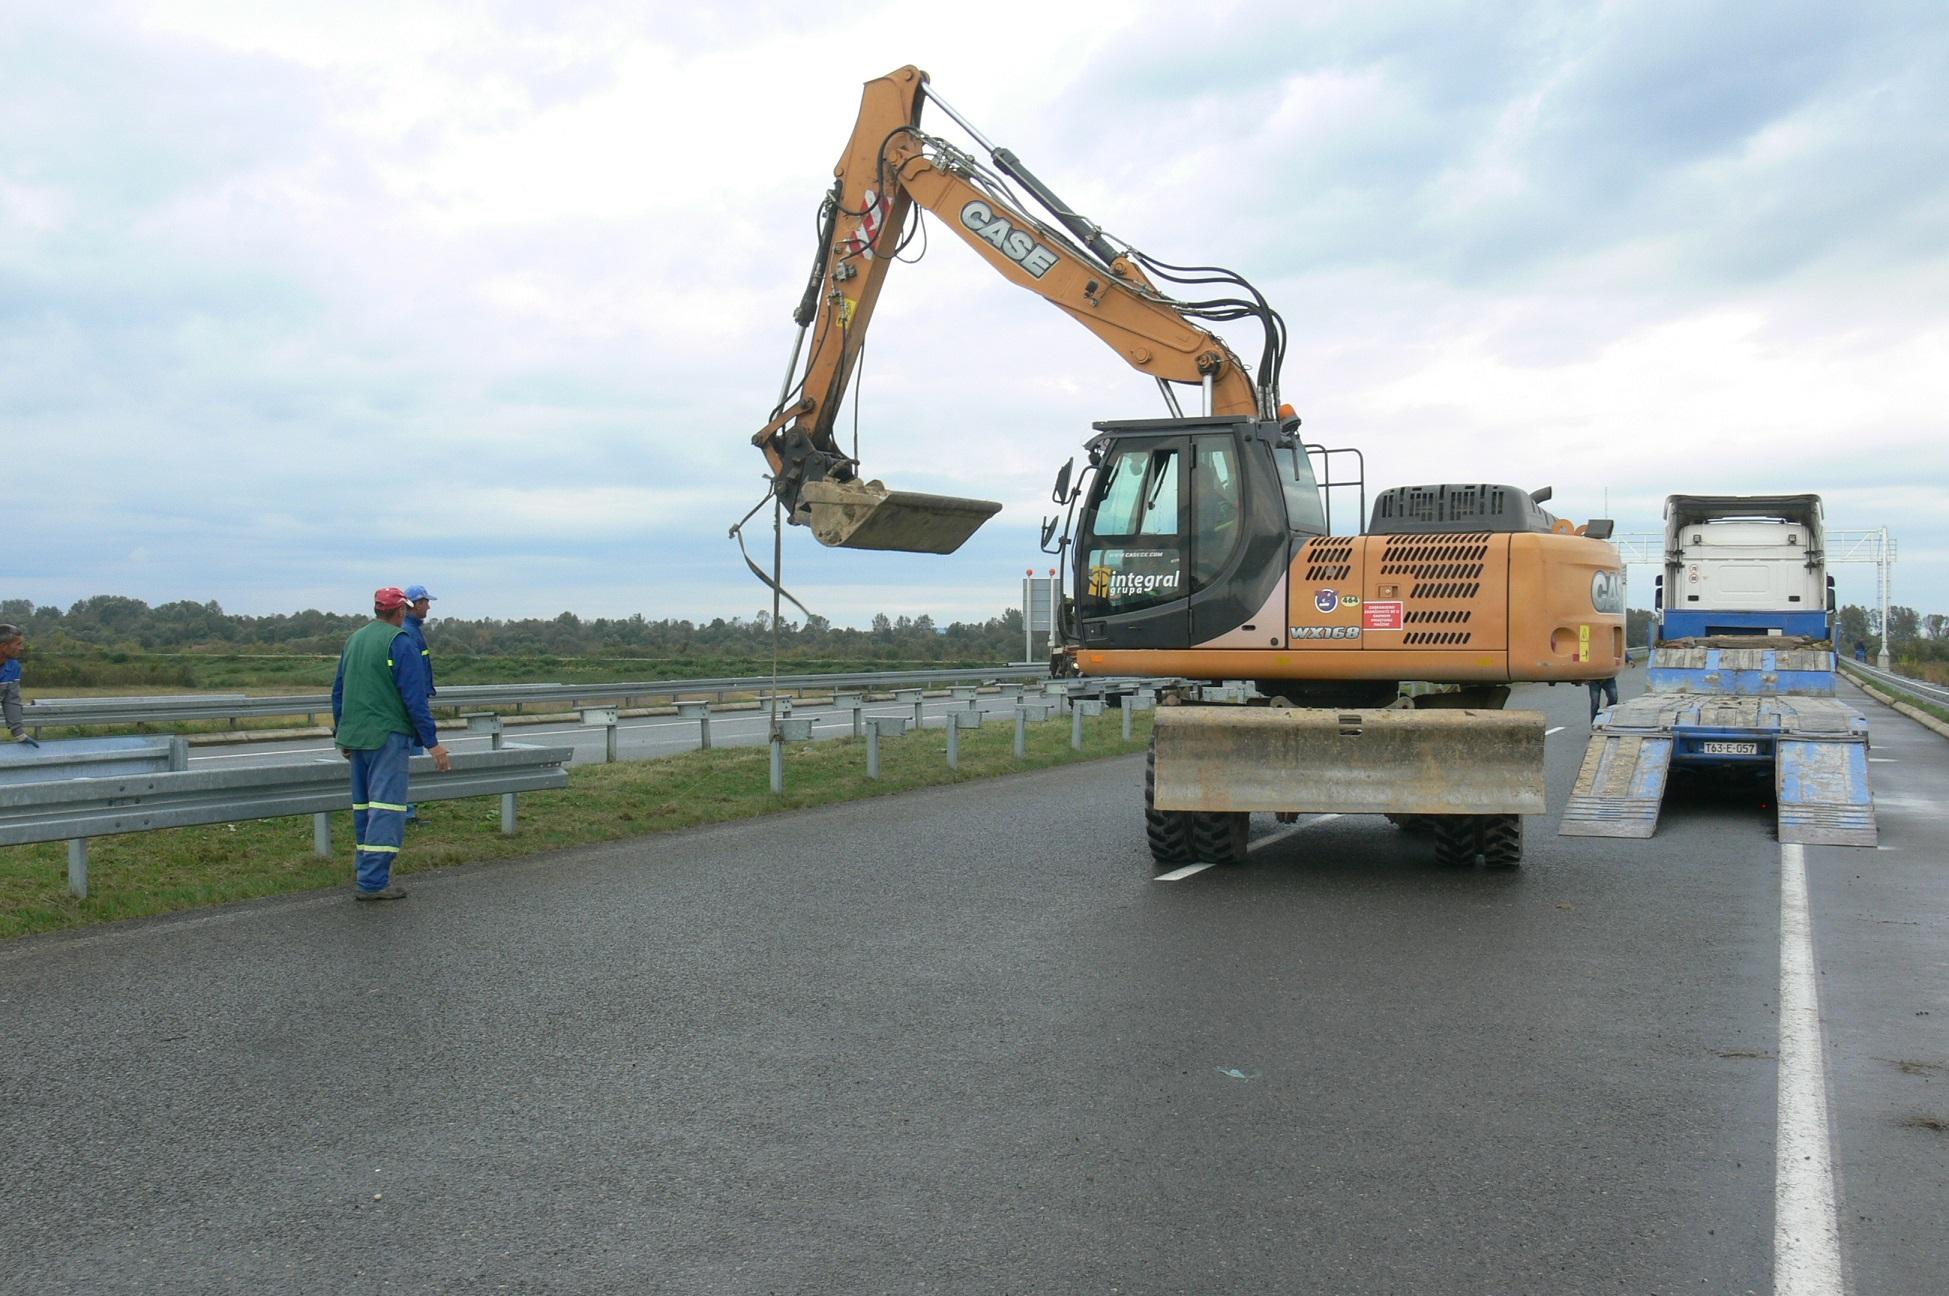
(1179, 874)
(1806, 1232)
(1281, 836)
(1558, 729)
(1883, 760)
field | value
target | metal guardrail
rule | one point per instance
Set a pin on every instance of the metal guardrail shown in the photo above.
(54, 712)
(70, 758)
(1914, 689)
(73, 810)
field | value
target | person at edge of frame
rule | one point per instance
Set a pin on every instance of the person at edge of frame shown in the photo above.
(419, 602)
(379, 712)
(12, 643)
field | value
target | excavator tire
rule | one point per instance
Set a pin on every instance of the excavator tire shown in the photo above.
(1168, 831)
(1220, 836)
(1456, 839)
(1502, 841)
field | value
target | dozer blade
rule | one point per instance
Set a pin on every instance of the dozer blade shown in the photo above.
(1349, 762)
(866, 515)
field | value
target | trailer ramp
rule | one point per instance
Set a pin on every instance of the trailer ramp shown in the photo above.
(1620, 787)
(1816, 748)
(1822, 792)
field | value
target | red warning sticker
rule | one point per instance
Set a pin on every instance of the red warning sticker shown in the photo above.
(1381, 615)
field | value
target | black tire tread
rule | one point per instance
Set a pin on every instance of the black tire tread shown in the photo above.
(1457, 839)
(1167, 831)
(1502, 841)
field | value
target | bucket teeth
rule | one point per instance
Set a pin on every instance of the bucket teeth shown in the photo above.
(866, 515)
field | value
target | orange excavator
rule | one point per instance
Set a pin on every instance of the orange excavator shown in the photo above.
(1200, 546)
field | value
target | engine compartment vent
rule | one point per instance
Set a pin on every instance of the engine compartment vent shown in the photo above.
(1457, 507)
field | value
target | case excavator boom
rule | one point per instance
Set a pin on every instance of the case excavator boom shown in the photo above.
(889, 166)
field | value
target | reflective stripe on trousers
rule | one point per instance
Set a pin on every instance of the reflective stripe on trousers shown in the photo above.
(379, 809)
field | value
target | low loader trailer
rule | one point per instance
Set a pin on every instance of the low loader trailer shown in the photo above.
(1747, 684)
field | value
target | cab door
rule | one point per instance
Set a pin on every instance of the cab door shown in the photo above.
(1133, 560)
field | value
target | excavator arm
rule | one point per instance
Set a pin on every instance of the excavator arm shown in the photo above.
(889, 166)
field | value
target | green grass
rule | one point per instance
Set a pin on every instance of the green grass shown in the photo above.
(141, 874)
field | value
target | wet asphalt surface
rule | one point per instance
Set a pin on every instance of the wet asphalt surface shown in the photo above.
(961, 1041)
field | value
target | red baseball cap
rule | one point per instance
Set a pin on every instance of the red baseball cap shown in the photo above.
(388, 597)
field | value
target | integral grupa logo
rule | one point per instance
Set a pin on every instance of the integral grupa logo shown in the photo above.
(1326, 600)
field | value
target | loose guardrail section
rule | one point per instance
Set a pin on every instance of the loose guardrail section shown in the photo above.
(76, 809)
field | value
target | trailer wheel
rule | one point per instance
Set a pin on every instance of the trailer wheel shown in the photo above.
(1167, 831)
(1502, 841)
(1220, 836)
(1456, 839)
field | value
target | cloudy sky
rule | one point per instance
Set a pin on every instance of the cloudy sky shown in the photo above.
(299, 299)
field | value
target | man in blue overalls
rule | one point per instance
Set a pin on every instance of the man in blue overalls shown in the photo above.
(12, 644)
(419, 602)
(379, 713)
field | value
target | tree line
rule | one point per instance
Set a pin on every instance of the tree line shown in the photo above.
(111, 623)
(114, 624)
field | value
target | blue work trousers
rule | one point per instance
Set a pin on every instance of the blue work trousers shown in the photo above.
(379, 808)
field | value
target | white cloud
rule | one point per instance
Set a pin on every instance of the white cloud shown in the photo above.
(539, 261)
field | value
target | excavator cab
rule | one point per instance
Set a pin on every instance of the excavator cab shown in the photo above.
(1188, 531)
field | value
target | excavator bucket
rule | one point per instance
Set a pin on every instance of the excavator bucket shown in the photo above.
(866, 515)
(1317, 760)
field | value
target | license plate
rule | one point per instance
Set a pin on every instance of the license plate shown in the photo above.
(1730, 748)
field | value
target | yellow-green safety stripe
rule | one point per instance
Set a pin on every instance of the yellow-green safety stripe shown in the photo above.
(381, 850)
(379, 805)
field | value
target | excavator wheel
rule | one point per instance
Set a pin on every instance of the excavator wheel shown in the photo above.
(1502, 841)
(1168, 831)
(1220, 836)
(1457, 839)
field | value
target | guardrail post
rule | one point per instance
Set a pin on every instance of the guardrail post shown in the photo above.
(913, 696)
(78, 867)
(507, 812)
(1021, 730)
(954, 740)
(891, 726)
(178, 754)
(1078, 708)
(701, 713)
(321, 835)
(854, 702)
(782, 732)
(606, 717)
(485, 722)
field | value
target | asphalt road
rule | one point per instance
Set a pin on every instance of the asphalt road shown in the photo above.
(961, 1041)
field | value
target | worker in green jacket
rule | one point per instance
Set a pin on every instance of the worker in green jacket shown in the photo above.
(379, 713)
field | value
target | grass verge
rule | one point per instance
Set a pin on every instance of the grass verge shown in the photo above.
(140, 874)
(1885, 694)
